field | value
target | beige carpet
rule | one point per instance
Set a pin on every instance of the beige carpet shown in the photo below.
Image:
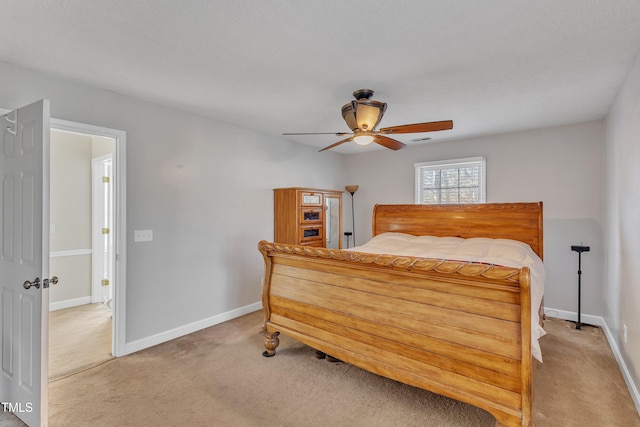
(217, 377)
(79, 338)
(579, 383)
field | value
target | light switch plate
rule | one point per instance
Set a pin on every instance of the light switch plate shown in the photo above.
(143, 235)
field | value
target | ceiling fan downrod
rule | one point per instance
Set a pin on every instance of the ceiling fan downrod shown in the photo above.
(363, 94)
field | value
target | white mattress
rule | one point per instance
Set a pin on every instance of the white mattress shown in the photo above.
(507, 253)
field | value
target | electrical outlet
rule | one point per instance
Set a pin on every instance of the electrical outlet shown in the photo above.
(624, 333)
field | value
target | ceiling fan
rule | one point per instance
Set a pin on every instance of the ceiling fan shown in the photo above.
(362, 117)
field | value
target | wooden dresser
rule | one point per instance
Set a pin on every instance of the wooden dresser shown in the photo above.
(308, 216)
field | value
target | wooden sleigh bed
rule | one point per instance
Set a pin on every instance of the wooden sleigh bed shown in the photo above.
(459, 329)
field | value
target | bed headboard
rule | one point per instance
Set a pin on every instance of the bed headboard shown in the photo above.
(516, 221)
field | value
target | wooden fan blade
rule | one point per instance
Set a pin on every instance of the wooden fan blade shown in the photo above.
(388, 142)
(320, 133)
(419, 127)
(337, 143)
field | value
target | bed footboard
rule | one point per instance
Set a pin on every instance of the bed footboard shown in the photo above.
(462, 330)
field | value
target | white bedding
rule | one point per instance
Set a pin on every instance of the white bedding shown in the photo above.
(507, 253)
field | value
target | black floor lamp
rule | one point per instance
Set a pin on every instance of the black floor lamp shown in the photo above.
(579, 249)
(352, 189)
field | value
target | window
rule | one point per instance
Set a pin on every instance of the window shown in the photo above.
(451, 181)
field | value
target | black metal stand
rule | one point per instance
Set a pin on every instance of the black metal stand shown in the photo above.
(348, 235)
(579, 249)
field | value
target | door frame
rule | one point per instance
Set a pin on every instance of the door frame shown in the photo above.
(120, 236)
(98, 264)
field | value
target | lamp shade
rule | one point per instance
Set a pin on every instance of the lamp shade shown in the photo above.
(369, 113)
(363, 138)
(363, 114)
(351, 188)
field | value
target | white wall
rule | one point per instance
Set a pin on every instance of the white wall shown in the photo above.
(622, 213)
(70, 217)
(205, 189)
(102, 145)
(561, 166)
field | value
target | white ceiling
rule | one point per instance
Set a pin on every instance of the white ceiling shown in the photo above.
(279, 66)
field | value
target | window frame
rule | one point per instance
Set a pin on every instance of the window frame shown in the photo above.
(480, 161)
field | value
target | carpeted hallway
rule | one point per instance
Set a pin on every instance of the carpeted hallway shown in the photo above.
(217, 377)
(79, 338)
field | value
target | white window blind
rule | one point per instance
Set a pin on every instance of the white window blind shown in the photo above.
(451, 181)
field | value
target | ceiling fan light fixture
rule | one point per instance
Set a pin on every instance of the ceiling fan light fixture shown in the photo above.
(369, 113)
(364, 138)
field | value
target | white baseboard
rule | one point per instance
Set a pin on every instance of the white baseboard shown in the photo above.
(69, 303)
(623, 367)
(586, 319)
(169, 335)
(599, 321)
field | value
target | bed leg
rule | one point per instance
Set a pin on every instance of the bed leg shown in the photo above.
(271, 341)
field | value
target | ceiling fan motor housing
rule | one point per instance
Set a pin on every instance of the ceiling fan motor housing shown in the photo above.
(364, 113)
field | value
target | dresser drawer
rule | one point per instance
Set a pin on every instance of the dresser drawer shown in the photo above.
(311, 198)
(311, 233)
(310, 216)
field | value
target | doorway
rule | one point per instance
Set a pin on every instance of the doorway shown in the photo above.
(81, 251)
(94, 241)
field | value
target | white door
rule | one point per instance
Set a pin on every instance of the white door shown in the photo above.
(102, 230)
(24, 262)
